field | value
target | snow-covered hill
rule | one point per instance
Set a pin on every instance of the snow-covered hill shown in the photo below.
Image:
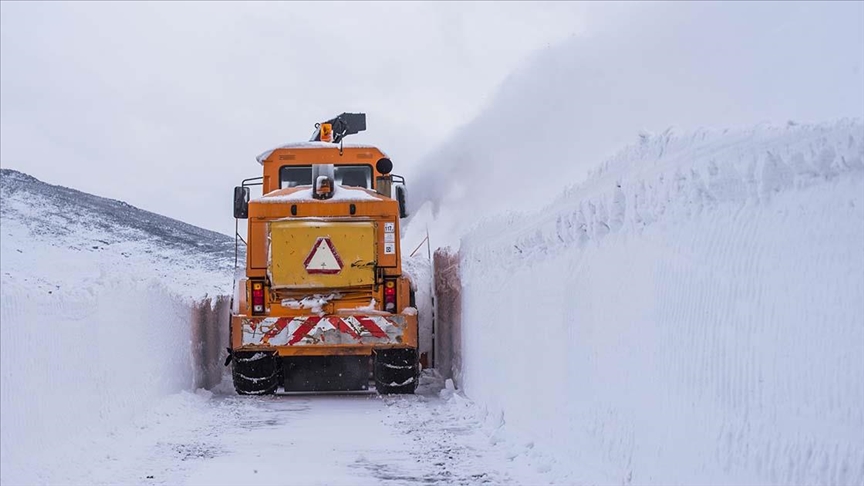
(101, 318)
(693, 313)
(54, 236)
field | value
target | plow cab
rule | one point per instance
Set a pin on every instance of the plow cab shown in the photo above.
(323, 304)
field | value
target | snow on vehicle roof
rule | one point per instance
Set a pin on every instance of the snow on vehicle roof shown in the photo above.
(315, 145)
(304, 194)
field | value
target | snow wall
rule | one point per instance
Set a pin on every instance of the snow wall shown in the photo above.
(76, 364)
(98, 323)
(693, 313)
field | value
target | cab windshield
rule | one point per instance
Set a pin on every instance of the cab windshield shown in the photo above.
(346, 175)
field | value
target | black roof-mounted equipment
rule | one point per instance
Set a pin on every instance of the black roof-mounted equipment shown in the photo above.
(336, 129)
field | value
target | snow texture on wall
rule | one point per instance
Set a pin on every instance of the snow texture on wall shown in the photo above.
(101, 318)
(418, 269)
(80, 361)
(693, 313)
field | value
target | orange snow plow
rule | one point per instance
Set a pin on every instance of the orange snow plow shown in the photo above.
(323, 304)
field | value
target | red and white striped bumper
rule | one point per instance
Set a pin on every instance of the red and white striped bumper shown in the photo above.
(327, 330)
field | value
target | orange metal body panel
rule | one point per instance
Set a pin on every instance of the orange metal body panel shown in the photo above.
(256, 251)
(381, 211)
(318, 155)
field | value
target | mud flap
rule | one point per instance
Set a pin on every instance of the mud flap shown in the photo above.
(326, 373)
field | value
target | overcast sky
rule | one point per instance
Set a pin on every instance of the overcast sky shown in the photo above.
(165, 105)
(678, 65)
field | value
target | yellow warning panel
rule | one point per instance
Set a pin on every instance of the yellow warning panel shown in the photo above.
(306, 254)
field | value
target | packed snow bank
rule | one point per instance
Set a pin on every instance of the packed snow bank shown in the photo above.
(101, 317)
(419, 269)
(692, 314)
(78, 362)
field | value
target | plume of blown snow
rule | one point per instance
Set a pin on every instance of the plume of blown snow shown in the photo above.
(639, 70)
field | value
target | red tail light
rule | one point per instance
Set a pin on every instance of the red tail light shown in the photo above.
(390, 296)
(257, 298)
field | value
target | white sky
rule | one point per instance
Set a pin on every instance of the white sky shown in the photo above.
(165, 105)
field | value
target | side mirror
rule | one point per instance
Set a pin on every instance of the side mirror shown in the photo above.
(400, 196)
(241, 202)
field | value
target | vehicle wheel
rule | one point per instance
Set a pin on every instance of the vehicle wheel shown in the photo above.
(255, 373)
(396, 371)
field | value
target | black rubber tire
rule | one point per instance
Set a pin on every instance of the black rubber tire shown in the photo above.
(255, 373)
(396, 371)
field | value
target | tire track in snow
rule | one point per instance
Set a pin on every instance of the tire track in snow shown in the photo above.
(332, 439)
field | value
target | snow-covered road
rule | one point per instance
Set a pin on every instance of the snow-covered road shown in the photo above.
(363, 438)
(81, 409)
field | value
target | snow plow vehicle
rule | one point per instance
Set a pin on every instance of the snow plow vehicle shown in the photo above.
(323, 304)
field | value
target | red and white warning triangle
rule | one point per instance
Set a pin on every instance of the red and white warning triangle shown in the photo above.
(323, 258)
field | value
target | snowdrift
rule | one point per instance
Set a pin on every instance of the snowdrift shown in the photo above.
(102, 316)
(693, 313)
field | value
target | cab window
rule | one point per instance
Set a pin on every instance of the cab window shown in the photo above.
(346, 175)
(295, 176)
(354, 176)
